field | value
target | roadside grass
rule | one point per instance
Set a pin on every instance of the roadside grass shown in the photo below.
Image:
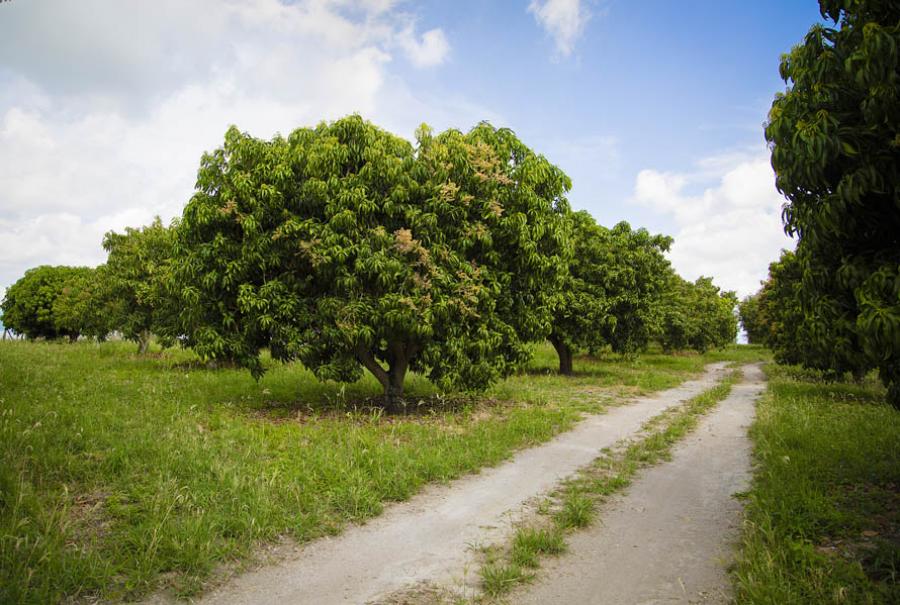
(823, 513)
(574, 504)
(121, 475)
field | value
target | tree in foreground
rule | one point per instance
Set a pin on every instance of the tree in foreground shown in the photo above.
(611, 296)
(348, 248)
(836, 154)
(28, 306)
(136, 274)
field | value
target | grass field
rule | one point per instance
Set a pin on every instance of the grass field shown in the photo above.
(824, 510)
(122, 474)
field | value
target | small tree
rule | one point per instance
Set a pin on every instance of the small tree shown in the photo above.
(136, 274)
(346, 247)
(698, 316)
(83, 305)
(753, 320)
(637, 276)
(28, 306)
(805, 327)
(612, 293)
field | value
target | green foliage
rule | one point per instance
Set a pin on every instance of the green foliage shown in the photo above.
(698, 316)
(836, 154)
(753, 320)
(84, 306)
(137, 275)
(803, 329)
(636, 277)
(780, 304)
(613, 291)
(29, 304)
(346, 247)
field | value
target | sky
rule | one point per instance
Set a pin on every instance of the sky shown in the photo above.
(655, 109)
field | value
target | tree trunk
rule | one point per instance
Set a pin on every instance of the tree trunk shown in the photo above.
(391, 380)
(143, 342)
(565, 356)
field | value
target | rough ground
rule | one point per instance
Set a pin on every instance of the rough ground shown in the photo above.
(430, 537)
(669, 538)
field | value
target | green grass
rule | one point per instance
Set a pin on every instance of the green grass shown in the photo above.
(823, 514)
(574, 504)
(122, 474)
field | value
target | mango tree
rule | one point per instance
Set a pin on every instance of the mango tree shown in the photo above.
(836, 154)
(611, 296)
(28, 304)
(83, 305)
(753, 320)
(349, 248)
(136, 271)
(698, 315)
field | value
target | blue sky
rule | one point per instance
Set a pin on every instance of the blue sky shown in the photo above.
(654, 108)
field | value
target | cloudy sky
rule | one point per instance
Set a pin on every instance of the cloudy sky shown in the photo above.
(654, 108)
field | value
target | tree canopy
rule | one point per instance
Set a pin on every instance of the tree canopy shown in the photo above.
(347, 247)
(28, 306)
(83, 305)
(752, 318)
(611, 296)
(137, 275)
(697, 315)
(836, 154)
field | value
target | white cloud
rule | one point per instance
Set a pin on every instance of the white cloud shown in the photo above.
(431, 50)
(106, 107)
(564, 20)
(728, 217)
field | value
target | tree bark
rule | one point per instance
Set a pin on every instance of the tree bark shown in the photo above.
(565, 356)
(143, 342)
(399, 357)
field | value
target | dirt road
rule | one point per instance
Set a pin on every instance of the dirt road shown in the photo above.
(430, 537)
(669, 538)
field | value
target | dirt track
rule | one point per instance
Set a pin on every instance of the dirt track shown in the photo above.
(430, 537)
(669, 538)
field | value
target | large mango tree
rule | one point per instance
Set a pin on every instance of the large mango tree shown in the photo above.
(351, 249)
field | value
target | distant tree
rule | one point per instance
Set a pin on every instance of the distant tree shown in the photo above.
(753, 320)
(698, 316)
(803, 328)
(836, 154)
(612, 294)
(28, 304)
(137, 273)
(83, 305)
(346, 247)
(637, 276)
